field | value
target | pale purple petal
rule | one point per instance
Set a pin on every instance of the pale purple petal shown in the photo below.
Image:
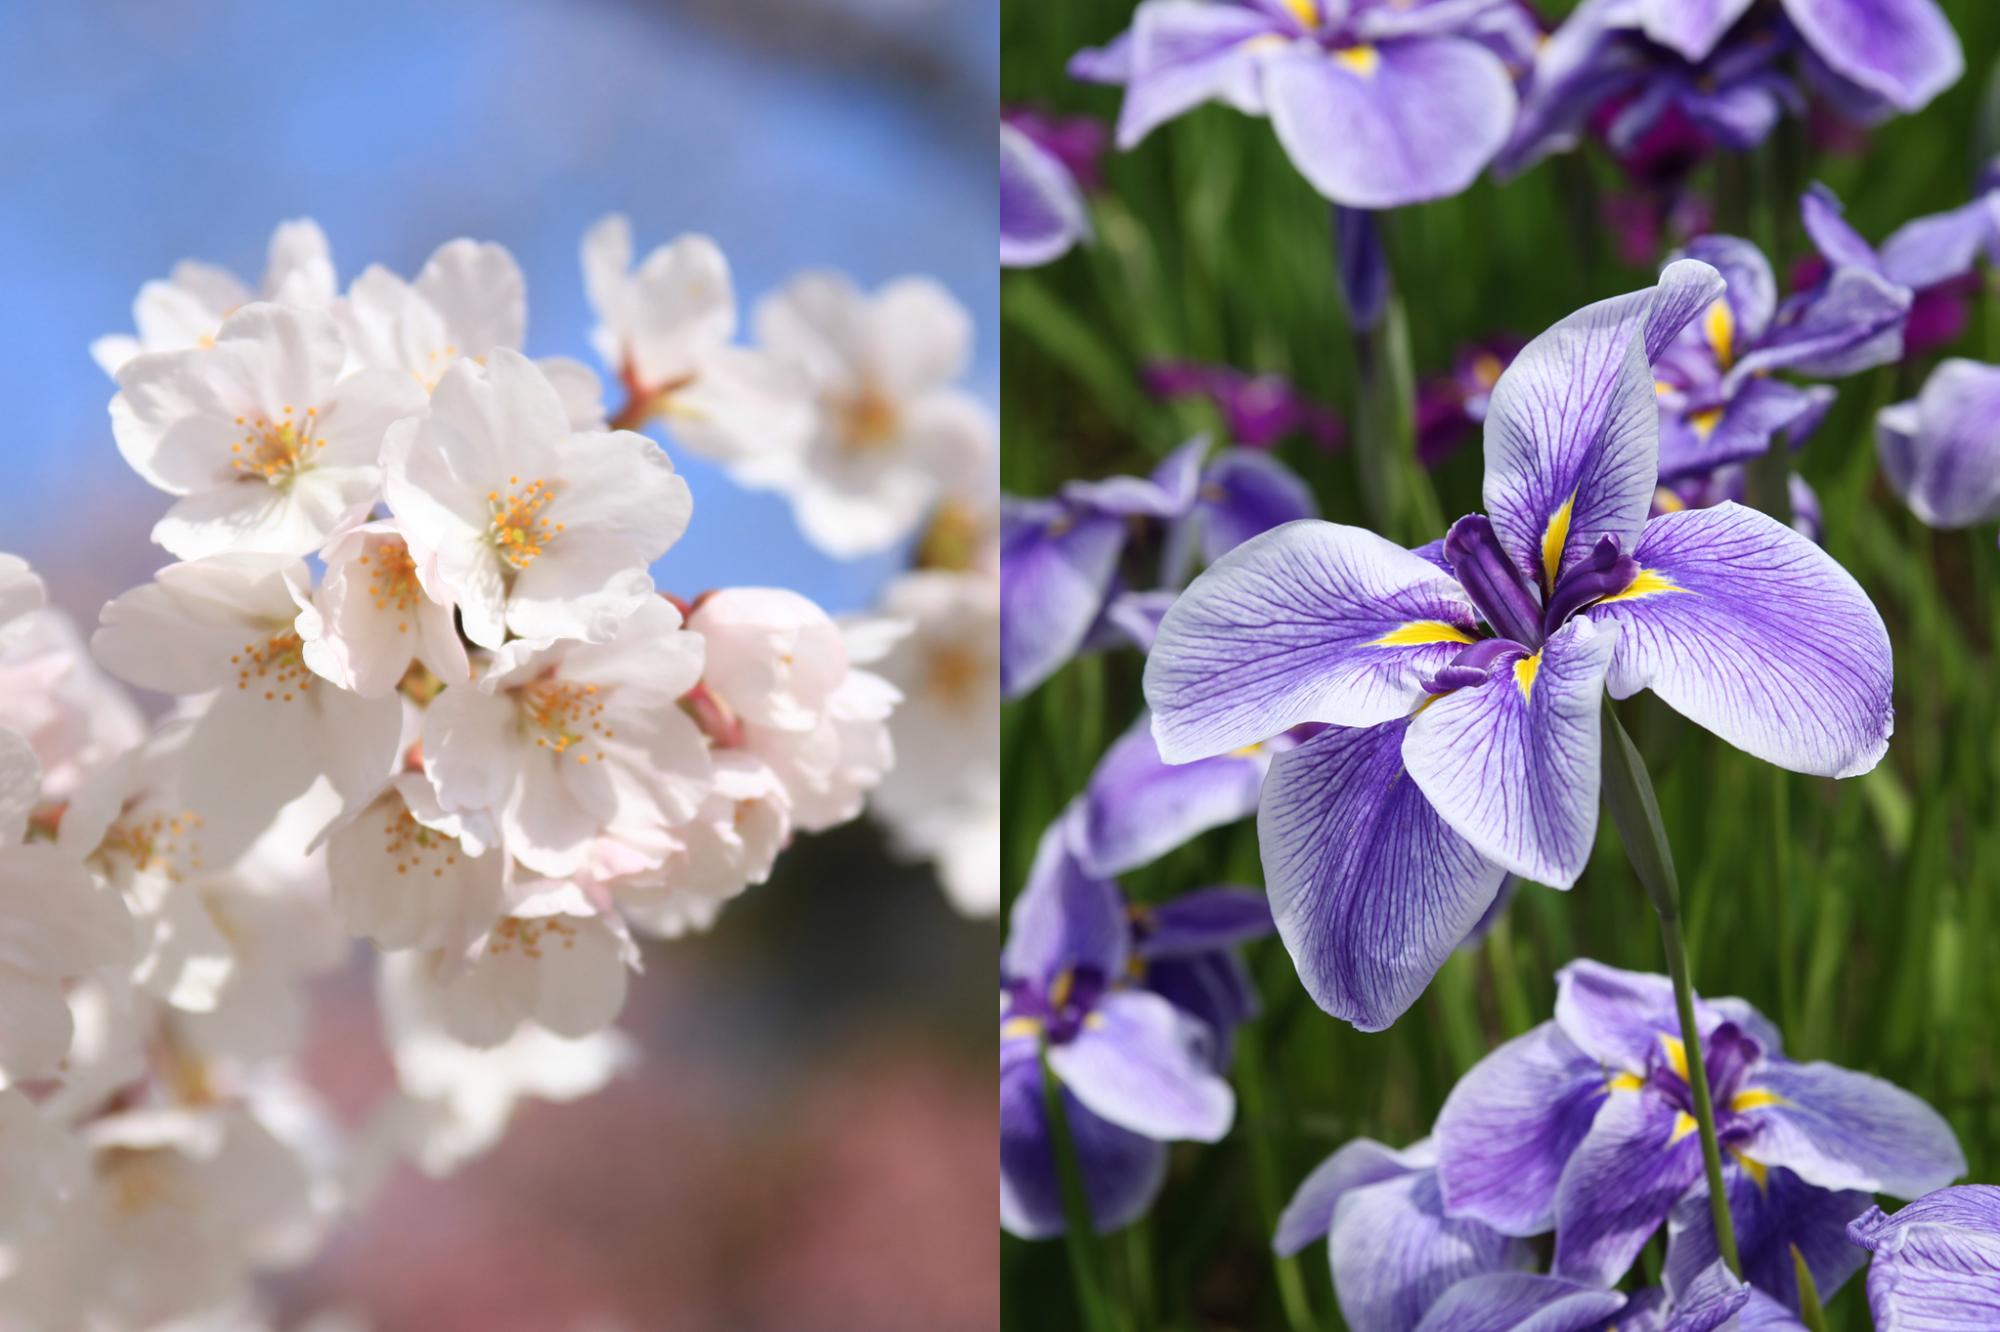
(1137, 615)
(1064, 918)
(1110, 63)
(1202, 921)
(1412, 119)
(1370, 890)
(1138, 807)
(1290, 627)
(1937, 1261)
(1832, 235)
(1309, 1214)
(1244, 493)
(1752, 420)
(1122, 1171)
(1055, 571)
(1747, 628)
(1510, 1126)
(1042, 213)
(1394, 1252)
(1942, 450)
(1521, 1302)
(1900, 50)
(1771, 1216)
(1572, 431)
(1620, 1184)
(1841, 1129)
(1617, 1018)
(1709, 1300)
(1182, 54)
(1852, 323)
(1168, 492)
(1930, 250)
(1512, 765)
(1750, 289)
(1691, 27)
(1137, 1064)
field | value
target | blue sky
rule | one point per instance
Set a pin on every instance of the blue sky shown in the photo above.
(849, 133)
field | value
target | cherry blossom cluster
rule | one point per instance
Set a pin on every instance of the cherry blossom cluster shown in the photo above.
(425, 693)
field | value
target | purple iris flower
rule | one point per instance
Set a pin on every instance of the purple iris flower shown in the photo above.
(1477, 669)
(1078, 142)
(1729, 485)
(1941, 449)
(1138, 1068)
(1937, 1261)
(1585, 1126)
(1257, 410)
(1059, 558)
(1774, 1213)
(1042, 213)
(1452, 407)
(1379, 103)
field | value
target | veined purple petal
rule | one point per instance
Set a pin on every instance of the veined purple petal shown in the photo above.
(1384, 126)
(1572, 432)
(1202, 921)
(1311, 621)
(1064, 919)
(1941, 450)
(1042, 212)
(1139, 807)
(1617, 1017)
(1845, 1130)
(1935, 249)
(1748, 427)
(1137, 1064)
(1747, 628)
(1122, 1171)
(1937, 1261)
(1900, 50)
(1750, 290)
(1772, 1211)
(1691, 27)
(1709, 1300)
(1055, 570)
(1394, 1252)
(1521, 1302)
(1370, 890)
(1183, 53)
(1244, 493)
(1512, 765)
(1853, 322)
(1364, 1161)
(1623, 1179)
(1510, 1126)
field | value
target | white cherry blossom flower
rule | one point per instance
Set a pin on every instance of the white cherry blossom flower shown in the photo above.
(553, 960)
(526, 526)
(186, 308)
(265, 442)
(370, 617)
(730, 844)
(74, 717)
(407, 873)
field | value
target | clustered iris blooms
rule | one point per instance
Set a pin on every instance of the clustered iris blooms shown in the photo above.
(1477, 668)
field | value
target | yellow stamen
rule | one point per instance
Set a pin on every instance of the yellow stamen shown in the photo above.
(1014, 1028)
(1677, 1055)
(1684, 1124)
(1624, 1082)
(1306, 11)
(520, 528)
(1760, 1174)
(1704, 423)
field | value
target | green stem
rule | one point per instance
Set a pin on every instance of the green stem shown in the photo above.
(1395, 488)
(1781, 871)
(1628, 793)
(1770, 481)
(1079, 1231)
(1264, 1173)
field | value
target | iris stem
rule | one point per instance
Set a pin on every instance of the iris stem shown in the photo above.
(1079, 1231)
(1395, 488)
(1628, 793)
(1264, 1173)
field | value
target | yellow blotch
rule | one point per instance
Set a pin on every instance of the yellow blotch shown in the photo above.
(1059, 991)
(1666, 501)
(1704, 423)
(1683, 1125)
(1014, 1028)
(1719, 327)
(1305, 11)
(1645, 583)
(1362, 60)
(1525, 671)
(1419, 632)
(1760, 1174)
(1754, 1098)
(1554, 537)
(1677, 1055)
(1624, 1082)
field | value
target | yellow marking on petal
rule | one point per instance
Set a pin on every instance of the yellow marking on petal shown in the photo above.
(1361, 60)
(1554, 537)
(1719, 326)
(1704, 423)
(1754, 1098)
(1059, 992)
(1013, 1028)
(1677, 1054)
(1305, 11)
(1624, 1082)
(1486, 369)
(1093, 1022)
(1661, 388)
(1248, 751)
(1525, 671)
(1683, 1125)
(1418, 710)
(1760, 1174)
(1666, 501)
(1419, 632)
(1645, 583)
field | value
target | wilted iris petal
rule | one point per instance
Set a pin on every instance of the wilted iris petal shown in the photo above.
(1521, 1302)
(1941, 450)
(1903, 51)
(1937, 1261)
(1122, 1171)
(1772, 1212)
(1042, 212)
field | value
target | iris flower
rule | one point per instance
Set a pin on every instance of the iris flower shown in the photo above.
(1042, 213)
(1462, 686)
(1136, 1032)
(1257, 410)
(1941, 449)
(1585, 1126)
(1379, 103)
(1937, 1261)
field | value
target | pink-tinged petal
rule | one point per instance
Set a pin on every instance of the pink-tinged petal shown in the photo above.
(1512, 765)
(1137, 1064)
(1773, 1213)
(1122, 1171)
(1637, 1160)
(1138, 807)
(1510, 1126)
(1389, 125)
(1182, 54)
(1572, 431)
(1942, 450)
(1747, 628)
(1309, 1214)
(1371, 891)
(1691, 27)
(1042, 213)
(1840, 1129)
(1900, 50)
(1521, 1302)
(1394, 1252)
(1937, 1261)
(1308, 622)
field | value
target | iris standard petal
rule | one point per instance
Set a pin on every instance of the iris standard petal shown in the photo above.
(1202, 921)
(1137, 1063)
(1751, 290)
(1841, 1129)
(1853, 322)
(1773, 1212)
(1167, 492)
(1512, 765)
(1747, 628)
(1311, 621)
(1572, 431)
(1691, 27)
(1942, 451)
(1510, 1126)
(1384, 126)
(1122, 1171)
(1639, 1157)
(1064, 918)
(1370, 889)
(1138, 807)
(1937, 1261)
(1900, 50)
(1042, 212)
(1618, 1017)
(1183, 53)
(1521, 1302)
(1309, 1214)
(1394, 1252)
(1244, 493)
(1055, 571)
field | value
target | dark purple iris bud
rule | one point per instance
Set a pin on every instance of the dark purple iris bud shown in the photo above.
(1499, 592)
(1475, 665)
(1364, 270)
(1607, 569)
